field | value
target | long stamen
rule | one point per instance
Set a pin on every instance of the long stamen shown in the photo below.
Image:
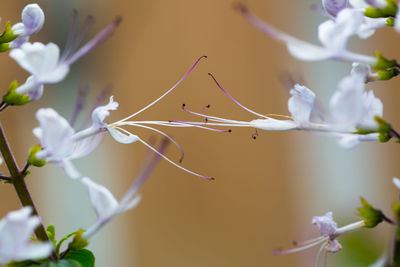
(82, 34)
(173, 163)
(194, 124)
(80, 102)
(211, 118)
(71, 35)
(234, 100)
(319, 253)
(294, 250)
(95, 41)
(166, 93)
(160, 132)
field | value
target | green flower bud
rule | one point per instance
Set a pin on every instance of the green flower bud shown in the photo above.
(8, 35)
(13, 98)
(389, 11)
(383, 63)
(78, 242)
(390, 22)
(372, 217)
(32, 160)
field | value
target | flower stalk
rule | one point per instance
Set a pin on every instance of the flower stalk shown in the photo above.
(17, 180)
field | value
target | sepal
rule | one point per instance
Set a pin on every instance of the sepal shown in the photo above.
(372, 217)
(12, 97)
(384, 129)
(7, 37)
(388, 11)
(33, 160)
(78, 242)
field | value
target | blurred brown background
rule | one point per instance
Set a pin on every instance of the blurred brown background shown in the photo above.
(266, 190)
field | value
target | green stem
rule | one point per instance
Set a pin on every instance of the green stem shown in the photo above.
(17, 179)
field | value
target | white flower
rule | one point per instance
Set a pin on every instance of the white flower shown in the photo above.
(333, 35)
(329, 232)
(32, 22)
(362, 4)
(45, 63)
(60, 143)
(15, 232)
(105, 204)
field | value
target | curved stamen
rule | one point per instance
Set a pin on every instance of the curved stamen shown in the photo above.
(166, 93)
(173, 163)
(165, 157)
(234, 100)
(294, 250)
(79, 103)
(79, 37)
(160, 132)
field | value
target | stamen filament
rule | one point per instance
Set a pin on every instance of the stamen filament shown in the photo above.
(160, 132)
(166, 93)
(173, 163)
(234, 100)
(294, 250)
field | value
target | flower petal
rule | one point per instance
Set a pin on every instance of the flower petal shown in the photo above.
(56, 134)
(273, 124)
(334, 6)
(69, 169)
(33, 18)
(122, 138)
(396, 182)
(327, 226)
(102, 200)
(301, 103)
(32, 251)
(101, 112)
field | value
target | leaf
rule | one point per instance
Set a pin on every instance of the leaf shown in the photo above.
(83, 256)
(62, 263)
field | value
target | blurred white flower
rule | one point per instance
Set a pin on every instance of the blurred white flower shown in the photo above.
(45, 63)
(32, 22)
(329, 233)
(333, 35)
(15, 232)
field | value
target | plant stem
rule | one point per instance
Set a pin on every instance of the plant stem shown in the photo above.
(17, 179)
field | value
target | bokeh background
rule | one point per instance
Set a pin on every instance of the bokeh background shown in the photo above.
(266, 190)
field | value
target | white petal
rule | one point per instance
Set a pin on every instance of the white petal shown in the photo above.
(32, 251)
(86, 146)
(308, 52)
(32, 88)
(33, 18)
(101, 112)
(122, 137)
(346, 103)
(301, 103)
(18, 28)
(273, 124)
(349, 141)
(396, 182)
(38, 59)
(359, 3)
(372, 107)
(101, 198)
(335, 34)
(367, 29)
(327, 226)
(56, 134)
(69, 169)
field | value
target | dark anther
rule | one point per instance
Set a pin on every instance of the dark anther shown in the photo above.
(230, 130)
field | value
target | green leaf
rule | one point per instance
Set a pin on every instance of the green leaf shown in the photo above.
(61, 263)
(51, 233)
(372, 217)
(83, 256)
(62, 241)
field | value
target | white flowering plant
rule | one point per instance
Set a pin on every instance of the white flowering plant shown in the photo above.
(354, 115)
